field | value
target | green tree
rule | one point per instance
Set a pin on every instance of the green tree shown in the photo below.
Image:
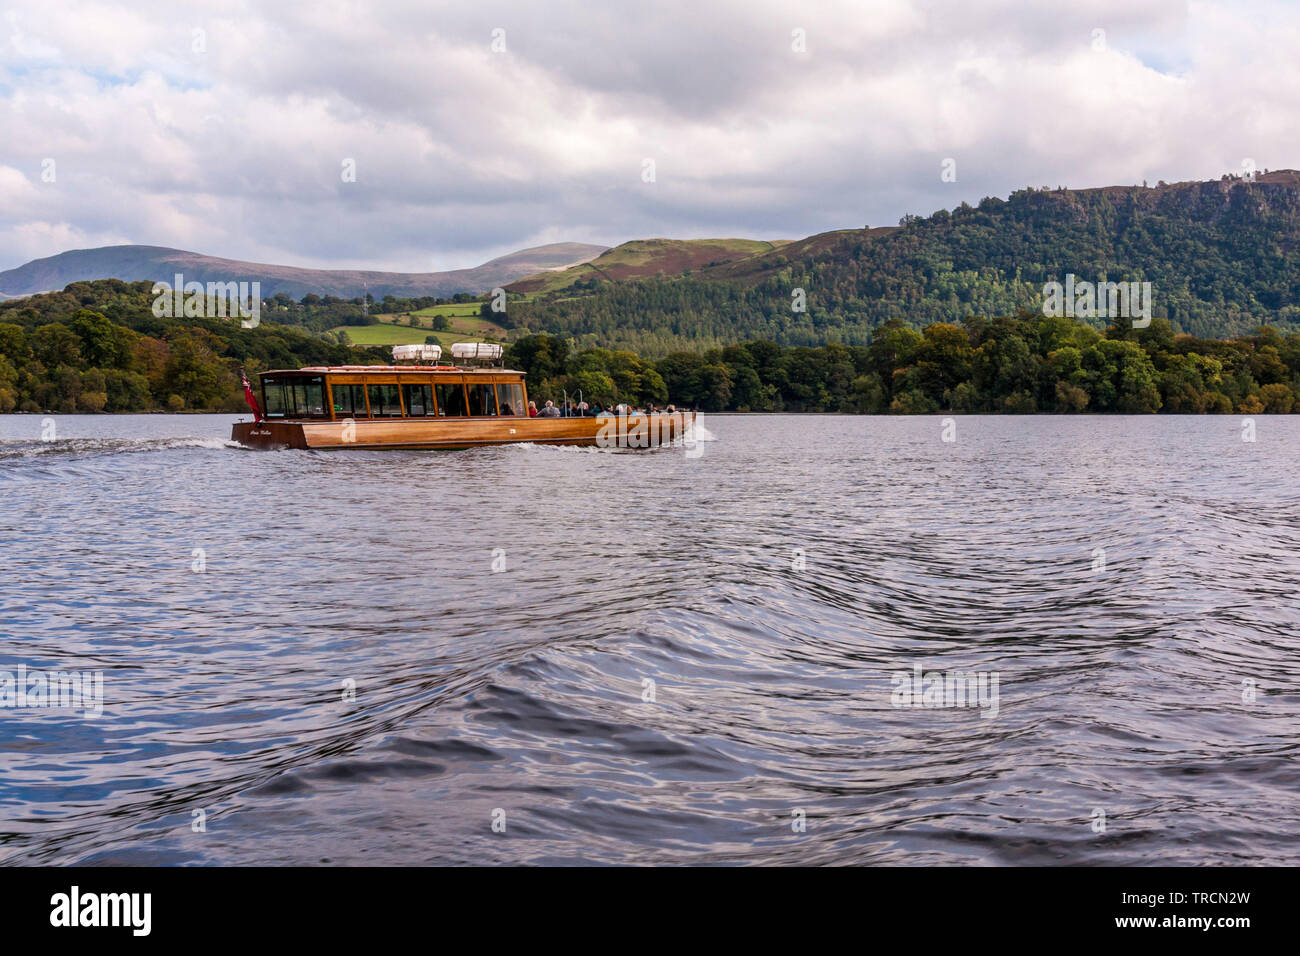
(195, 372)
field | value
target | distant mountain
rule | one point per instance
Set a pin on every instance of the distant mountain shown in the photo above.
(135, 263)
(1222, 257)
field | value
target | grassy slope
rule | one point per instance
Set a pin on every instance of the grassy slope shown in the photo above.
(384, 334)
(649, 257)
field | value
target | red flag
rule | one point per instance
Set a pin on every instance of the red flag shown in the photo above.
(250, 398)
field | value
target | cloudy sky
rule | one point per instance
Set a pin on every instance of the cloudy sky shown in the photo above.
(476, 128)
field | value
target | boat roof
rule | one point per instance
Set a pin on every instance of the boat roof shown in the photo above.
(390, 369)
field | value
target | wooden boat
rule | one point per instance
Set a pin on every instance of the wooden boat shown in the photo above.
(426, 406)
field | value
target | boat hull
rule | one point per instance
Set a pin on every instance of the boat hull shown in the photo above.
(635, 431)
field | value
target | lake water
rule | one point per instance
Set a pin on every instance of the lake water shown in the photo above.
(688, 658)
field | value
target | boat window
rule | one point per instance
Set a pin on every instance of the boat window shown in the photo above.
(419, 399)
(309, 398)
(510, 399)
(451, 399)
(385, 402)
(349, 401)
(481, 400)
(273, 397)
(294, 397)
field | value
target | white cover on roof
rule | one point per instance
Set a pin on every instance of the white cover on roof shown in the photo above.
(417, 353)
(476, 350)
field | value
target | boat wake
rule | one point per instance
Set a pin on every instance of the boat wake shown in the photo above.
(33, 460)
(696, 431)
(85, 447)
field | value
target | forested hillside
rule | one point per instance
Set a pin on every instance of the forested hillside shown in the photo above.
(1223, 257)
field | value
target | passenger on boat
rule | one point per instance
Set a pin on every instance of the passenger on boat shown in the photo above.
(549, 411)
(532, 409)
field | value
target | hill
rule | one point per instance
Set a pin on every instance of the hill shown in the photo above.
(136, 263)
(648, 257)
(1223, 257)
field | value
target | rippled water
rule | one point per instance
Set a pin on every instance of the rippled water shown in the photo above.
(770, 588)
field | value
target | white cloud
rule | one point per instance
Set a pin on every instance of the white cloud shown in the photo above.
(230, 141)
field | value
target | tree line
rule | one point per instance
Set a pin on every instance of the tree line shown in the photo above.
(1024, 364)
(97, 347)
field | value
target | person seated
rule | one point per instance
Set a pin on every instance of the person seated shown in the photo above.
(532, 409)
(549, 411)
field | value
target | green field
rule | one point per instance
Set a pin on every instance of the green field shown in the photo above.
(467, 324)
(412, 328)
(463, 310)
(464, 318)
(388, 335)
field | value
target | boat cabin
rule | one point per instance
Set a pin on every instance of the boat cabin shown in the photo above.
(392, 391)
